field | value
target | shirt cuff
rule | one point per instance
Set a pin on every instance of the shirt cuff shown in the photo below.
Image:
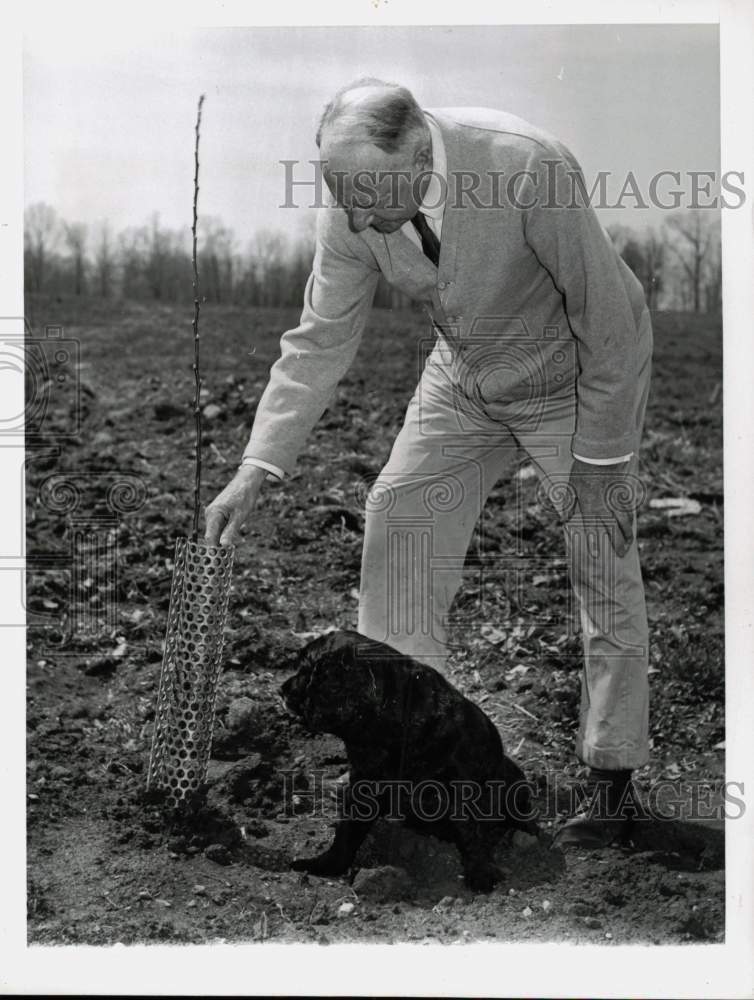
(603, 461)
(275, 472)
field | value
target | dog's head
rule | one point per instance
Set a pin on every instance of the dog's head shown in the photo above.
(323, 692)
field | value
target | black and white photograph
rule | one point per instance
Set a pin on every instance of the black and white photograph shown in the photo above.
(377, 433)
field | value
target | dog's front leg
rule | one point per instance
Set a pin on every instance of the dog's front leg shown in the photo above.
(356, 820)
(479, 870)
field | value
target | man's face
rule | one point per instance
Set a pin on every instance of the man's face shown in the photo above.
(374, 188)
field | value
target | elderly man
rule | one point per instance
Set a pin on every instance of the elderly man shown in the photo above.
(543, 344)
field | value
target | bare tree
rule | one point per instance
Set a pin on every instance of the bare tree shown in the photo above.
(654, 267)
(269, 252)
(75, 238)
(645, 255)
(632, 252)
(157, 256)
(691, 237)
(132, 253)
(104, 260)
(217, 263)
(713, 284)
(41, 239)
(301, 257)
(166, 261)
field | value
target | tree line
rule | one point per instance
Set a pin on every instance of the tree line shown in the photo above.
(679, 263)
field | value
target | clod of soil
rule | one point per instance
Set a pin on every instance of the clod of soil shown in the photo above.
(383, 884)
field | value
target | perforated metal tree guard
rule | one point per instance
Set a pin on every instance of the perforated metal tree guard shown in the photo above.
(184, 715)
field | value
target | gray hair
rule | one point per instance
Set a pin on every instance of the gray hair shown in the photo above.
(385, 114)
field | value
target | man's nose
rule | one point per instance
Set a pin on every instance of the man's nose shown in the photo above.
(359, 219)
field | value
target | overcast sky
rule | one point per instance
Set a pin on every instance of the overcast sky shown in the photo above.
(109, 118)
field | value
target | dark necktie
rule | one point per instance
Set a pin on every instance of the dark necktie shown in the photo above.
(430, 243)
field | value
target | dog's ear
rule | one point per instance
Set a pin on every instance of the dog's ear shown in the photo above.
(295, 660)
(330, 654)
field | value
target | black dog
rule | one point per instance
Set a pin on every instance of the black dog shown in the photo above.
(418, 750)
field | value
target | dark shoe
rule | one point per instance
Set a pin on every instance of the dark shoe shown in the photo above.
(603, 818)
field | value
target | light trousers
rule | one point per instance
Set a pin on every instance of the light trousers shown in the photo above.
(421, 514)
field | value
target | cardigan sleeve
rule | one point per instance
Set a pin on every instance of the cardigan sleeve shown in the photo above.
(319, 351)
(602, 298)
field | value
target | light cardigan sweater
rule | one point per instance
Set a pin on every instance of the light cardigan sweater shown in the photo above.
(539, 274)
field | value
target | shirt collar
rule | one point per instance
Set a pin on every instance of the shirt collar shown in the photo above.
(433, 203)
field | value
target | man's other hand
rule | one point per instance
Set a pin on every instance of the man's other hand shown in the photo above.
(602, 494)
(228, 512)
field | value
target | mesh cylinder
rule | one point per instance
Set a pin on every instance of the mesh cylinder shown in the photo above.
(184, 715)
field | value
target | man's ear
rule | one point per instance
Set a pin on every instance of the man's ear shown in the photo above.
(423, 157)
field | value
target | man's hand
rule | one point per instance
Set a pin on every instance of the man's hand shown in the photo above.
(228, 512)
(602, 494)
